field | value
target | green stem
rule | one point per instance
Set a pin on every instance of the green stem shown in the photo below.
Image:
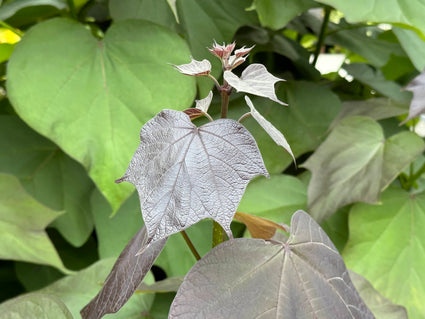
(190, 244)
(218, 234)
(412, 178)
(9, 27)
(72, 10)
(322, 34)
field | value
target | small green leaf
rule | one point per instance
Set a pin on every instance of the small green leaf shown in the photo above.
(95, 95)
(22, 224)
(35, 305)
(385, 246)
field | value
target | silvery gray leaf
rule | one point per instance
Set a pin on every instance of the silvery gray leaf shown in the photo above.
(195, 68)
(184, 173)
(304, 277)
(124, 278)
(255, 79)
(204, 103)
(417, 105)
(274, 133)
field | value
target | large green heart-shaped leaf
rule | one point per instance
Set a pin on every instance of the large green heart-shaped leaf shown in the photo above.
(92, 96)
(386, 247)
(22, 224)
(414, 46)
(355, 163)
(35, 305)
(384, 11)
(49, 175)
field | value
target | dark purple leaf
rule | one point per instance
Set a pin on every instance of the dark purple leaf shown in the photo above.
(126, 275)
(304, 277)
(184, 173)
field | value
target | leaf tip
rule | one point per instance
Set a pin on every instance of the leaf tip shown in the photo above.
(122, 179)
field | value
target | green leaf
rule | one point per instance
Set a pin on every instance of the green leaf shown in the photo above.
(380, 306)
(276, 14)
(109, 229)
(276, 198)
(151, 10)
(414, 46)
(78, 289)
(376, 80)
(10, 8)
(375, 108)
(22, 224)
(35, 305)
(95, 95)
(49, 175)
(6, 50)
(385, 246)
(355, 163)
(384, 11)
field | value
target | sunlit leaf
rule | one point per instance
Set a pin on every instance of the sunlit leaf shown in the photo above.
(417, 105)
(124, 278)
(184, 174)
(255, 79)
(35, 305)
(381, 307)
(204, 103)
(22, 224)
(274, 133)
(195, 68)
(304, 277)
(386, 247)
(96, 94)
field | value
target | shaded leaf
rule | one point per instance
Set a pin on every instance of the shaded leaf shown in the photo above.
(355, 163)
(413, 44)
(381, 307)
(22, 224)
(255, 79)
(377, 81)
(386, 247)
(195, 68)
(166, 285)
(49, 175)
(276, 14)
(124, 278)
(35, 305)
(375, 108)
(303, 277)
(273, 132)
(10, 8)
(184, 174)
(97, 126)
(259, 227)
(76, 291)
(417, 105)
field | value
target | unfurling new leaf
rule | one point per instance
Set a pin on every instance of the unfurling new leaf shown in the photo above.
(184, 173)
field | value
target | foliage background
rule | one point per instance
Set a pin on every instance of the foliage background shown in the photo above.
(86, 76)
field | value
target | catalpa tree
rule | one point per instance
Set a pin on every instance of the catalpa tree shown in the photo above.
(184, 174)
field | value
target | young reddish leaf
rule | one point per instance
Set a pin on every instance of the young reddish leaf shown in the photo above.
(417, 105)
(259, 227)
(195, 68)
(193, 113)
(255, 79)
(184, 173)
(204, 104)
(274, 133)
(301, 277)
(126, 275)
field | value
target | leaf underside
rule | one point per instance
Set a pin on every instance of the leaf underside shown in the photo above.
(184, 174)
(304, 277)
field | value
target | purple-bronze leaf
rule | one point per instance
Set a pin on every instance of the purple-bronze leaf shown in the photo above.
(195, 68)
(184, 173)
(204, 103)
(274, 133)
(124, 278)
(255, 79)
(417, 105)
(302, 277)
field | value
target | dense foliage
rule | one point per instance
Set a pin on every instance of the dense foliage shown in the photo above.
(81, 78)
